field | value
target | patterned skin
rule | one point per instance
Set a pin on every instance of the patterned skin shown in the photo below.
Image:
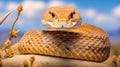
(66, 37)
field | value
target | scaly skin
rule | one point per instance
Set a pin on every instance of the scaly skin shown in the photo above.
(66, 37)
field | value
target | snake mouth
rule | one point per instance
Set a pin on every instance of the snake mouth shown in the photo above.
(57, 25)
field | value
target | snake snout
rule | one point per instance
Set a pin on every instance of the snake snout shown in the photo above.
(59, 24)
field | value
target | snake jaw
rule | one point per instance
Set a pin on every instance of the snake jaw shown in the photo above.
(71, 25)
(55, 25)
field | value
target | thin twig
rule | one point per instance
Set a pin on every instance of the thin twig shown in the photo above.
(13, 34)
(5, 16)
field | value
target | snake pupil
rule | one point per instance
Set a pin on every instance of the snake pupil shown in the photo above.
(52, 14)
(71, 15)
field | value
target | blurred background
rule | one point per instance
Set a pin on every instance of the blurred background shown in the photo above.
(101, 13)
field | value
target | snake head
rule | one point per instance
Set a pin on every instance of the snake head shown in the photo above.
(58, 18)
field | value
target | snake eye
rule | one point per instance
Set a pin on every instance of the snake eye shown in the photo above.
(72, 14)
(52, 14)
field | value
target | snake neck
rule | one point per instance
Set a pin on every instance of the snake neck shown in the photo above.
(85, 29)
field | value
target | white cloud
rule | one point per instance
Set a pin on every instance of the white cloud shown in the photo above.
(60, 3)
(89, 13)
(32, 8)
(116, 11)
(102, 18)
(56, 3)
(11, 6)
(97, 16)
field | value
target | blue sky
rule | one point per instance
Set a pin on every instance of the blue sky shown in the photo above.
(102, 13)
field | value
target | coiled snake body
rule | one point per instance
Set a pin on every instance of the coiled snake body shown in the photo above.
(66, 37)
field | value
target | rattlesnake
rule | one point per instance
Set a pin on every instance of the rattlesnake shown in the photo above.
(66, 37)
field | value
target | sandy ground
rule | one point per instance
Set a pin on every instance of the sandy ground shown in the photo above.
(47, 61)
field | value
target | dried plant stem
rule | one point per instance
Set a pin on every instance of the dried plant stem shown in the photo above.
(5, 16)
(25, 64)
(12, 30)
(32, 59)
(13, 34)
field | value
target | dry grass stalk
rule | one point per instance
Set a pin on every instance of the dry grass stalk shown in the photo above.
(119, 58)
(5, 16)
(20, 8)
(32, 59)
(118, 61)
(8, 41)
(13, 34)
(25, 64)
(114, 59)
